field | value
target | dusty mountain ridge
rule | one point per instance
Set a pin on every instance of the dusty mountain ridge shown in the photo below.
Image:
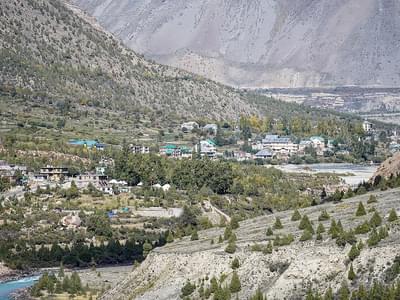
(286, 273)
(264, 43)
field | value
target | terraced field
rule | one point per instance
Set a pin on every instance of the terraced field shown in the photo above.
(287, 273)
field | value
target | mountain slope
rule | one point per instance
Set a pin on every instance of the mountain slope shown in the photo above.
(50, 55)
(268, 43)
(286, 273)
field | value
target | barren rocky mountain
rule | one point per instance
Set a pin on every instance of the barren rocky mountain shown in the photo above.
(268, 43)
(287, 273)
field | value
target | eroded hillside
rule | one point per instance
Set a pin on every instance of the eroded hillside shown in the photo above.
(285, 273)
(264, 43)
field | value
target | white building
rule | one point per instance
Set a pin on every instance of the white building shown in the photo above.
(189, 126)
(208, 148)
(367, 126)
(282, 146)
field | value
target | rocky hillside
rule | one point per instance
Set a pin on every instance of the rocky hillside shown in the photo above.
(263, 43)
(287, 272)
(389, 167)
(49, 55)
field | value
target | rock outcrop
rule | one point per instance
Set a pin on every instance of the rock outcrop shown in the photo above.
(389, 167)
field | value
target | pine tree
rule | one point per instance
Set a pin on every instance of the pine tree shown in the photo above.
(351, 275)
(220, 239)
(170, 237)
(323, 216)
(333, 230)
(227, 232)
(328, 294)
(269, 231)
(234, 224)
(376, 220)
(146, 248)
(296, 215)
(372, 199)
(235, 285)
(278, 223)
(194, 236)
(306, 224)
(268, 249)
(344, 292)
(61, 270)
(319, 237)
(258, 296)
(307, 235)
(235, 263)
(187, 289)
(373, 238)
(320, 228)
(360, 210)
(231, 248)
(354, 252)
(392, 215)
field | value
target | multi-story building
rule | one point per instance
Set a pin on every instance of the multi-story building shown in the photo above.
(281, 146)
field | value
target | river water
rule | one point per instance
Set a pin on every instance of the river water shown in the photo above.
(352, 174)
(6, 288)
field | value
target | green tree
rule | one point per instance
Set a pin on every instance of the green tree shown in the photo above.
(306, 236)
(270, 232)
(230, 248)
(360, 210)
(372, 199)
(392, 215)
(351, 275)
(323, 216)
(235, 286)
(258, 296)
(188, 289)
(305, 224)
(147, 247)
(354, 252)
(320, 228)
(296, 215)
(227, 232)
(194, 236)
(376, 220)
(235, 263)
(170, 237)
(328, 294)
(234, 224)
(344, 292)
(278, 223)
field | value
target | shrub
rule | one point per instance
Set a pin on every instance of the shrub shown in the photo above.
(372, 199)
(323, 216)
(278, 223)
(360, 210)
(194, 236)
(296, 215)
(235, 263)
(305, 224)
(392, 215)
(306, 236)
(235, 286)
(376, 220)
(351, 275)
(231, 248)
(188, 289)
(269, 231)
(354, 252)
(363, 228)
(320, 228)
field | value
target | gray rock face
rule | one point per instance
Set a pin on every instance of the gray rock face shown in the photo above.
(268, 43)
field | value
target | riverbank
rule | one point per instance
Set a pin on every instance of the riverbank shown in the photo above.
(16, 285)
